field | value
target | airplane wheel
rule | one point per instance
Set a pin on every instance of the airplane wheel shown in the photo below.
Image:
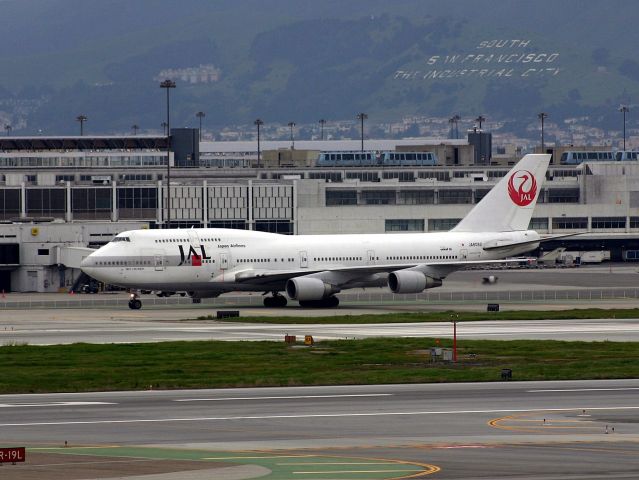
(276, 301)
(135, 304)
(332, 302)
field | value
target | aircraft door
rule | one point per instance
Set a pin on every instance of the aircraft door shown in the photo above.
(159, 263)
(303, 260)
(370, 257)
(224, 261)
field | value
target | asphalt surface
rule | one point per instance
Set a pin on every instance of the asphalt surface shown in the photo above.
(529, 430)
(105, 318)
(65, 329)
(515, 431)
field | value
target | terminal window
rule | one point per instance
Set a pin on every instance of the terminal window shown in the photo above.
(404, 225)
(341, 197)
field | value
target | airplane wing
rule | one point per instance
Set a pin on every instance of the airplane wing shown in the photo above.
(497, 245)
(436, 270)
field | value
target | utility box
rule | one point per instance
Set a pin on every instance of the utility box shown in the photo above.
(435, 354)
(447, 355)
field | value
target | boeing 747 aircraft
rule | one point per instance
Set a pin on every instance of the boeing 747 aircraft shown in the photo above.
(311, 269)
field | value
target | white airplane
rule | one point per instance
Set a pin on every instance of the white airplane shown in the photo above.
(311, 269)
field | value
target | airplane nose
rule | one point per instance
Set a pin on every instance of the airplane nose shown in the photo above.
(86, 262)
(87, 265)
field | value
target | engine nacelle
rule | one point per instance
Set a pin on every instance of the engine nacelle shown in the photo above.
(411, 281)
(204, 294)
(304, 289)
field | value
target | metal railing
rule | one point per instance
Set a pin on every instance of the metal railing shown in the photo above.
(364, 297)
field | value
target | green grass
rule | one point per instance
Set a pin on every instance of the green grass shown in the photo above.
(88, 367)
(576, 313)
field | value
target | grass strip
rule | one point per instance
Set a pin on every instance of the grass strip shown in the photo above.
(444, 316)
(217, 364)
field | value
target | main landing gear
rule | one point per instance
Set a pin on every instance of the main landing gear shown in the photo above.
(276, 300)
(135, 303)
(328, 302)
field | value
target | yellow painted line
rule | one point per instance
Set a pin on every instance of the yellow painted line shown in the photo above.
(514, 420)
(326, 472)
(332, 463)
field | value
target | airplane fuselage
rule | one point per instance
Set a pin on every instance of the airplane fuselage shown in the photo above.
(217, 260)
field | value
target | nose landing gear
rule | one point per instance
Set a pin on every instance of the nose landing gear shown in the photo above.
(134, 302)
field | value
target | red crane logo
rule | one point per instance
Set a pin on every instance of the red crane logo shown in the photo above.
(525, 193)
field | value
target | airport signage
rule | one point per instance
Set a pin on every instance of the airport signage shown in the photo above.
(12, 454)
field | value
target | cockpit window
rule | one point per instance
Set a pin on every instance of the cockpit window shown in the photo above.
(121, 239)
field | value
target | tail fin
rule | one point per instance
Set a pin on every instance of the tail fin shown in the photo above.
(510, 203)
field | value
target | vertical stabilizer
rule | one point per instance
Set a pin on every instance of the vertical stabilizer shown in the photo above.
(510, 204)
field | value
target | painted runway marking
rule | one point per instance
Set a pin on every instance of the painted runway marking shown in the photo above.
(54, 404)
(312, 416)
(332, 472)
(559, 390)
(292, 397)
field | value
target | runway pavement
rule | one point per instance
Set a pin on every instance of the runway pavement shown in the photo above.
(522, 431)
(61, 318)
(527, 430)
(132, 329)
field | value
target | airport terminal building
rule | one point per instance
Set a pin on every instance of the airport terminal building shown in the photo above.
(57, 193)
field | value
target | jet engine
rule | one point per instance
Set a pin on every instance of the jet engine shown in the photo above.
(304, 289)
(411, 281)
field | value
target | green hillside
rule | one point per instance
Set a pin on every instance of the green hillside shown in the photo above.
(301, 59)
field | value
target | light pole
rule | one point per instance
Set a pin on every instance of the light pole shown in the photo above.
(258, 123)
(135, 129)
(454, 126)
(480, 120)
(164, 125)
(454, 318)
(291, 125)
(542, 116)
(361, 117)
(322, 122)
(624, 109)
(8, 129)
(200, 116)
(81, 119)
(168, 85)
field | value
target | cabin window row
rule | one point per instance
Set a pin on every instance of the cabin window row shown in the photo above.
(424, 257)
(184, 240)
(263, 260)
(123, 263)
(337, 259)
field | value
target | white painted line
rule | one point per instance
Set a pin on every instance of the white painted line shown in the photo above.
(620, 389)
(311, 416)
(292, 397)
(53, 404)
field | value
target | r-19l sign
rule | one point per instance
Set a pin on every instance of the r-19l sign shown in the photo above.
(12, 455)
